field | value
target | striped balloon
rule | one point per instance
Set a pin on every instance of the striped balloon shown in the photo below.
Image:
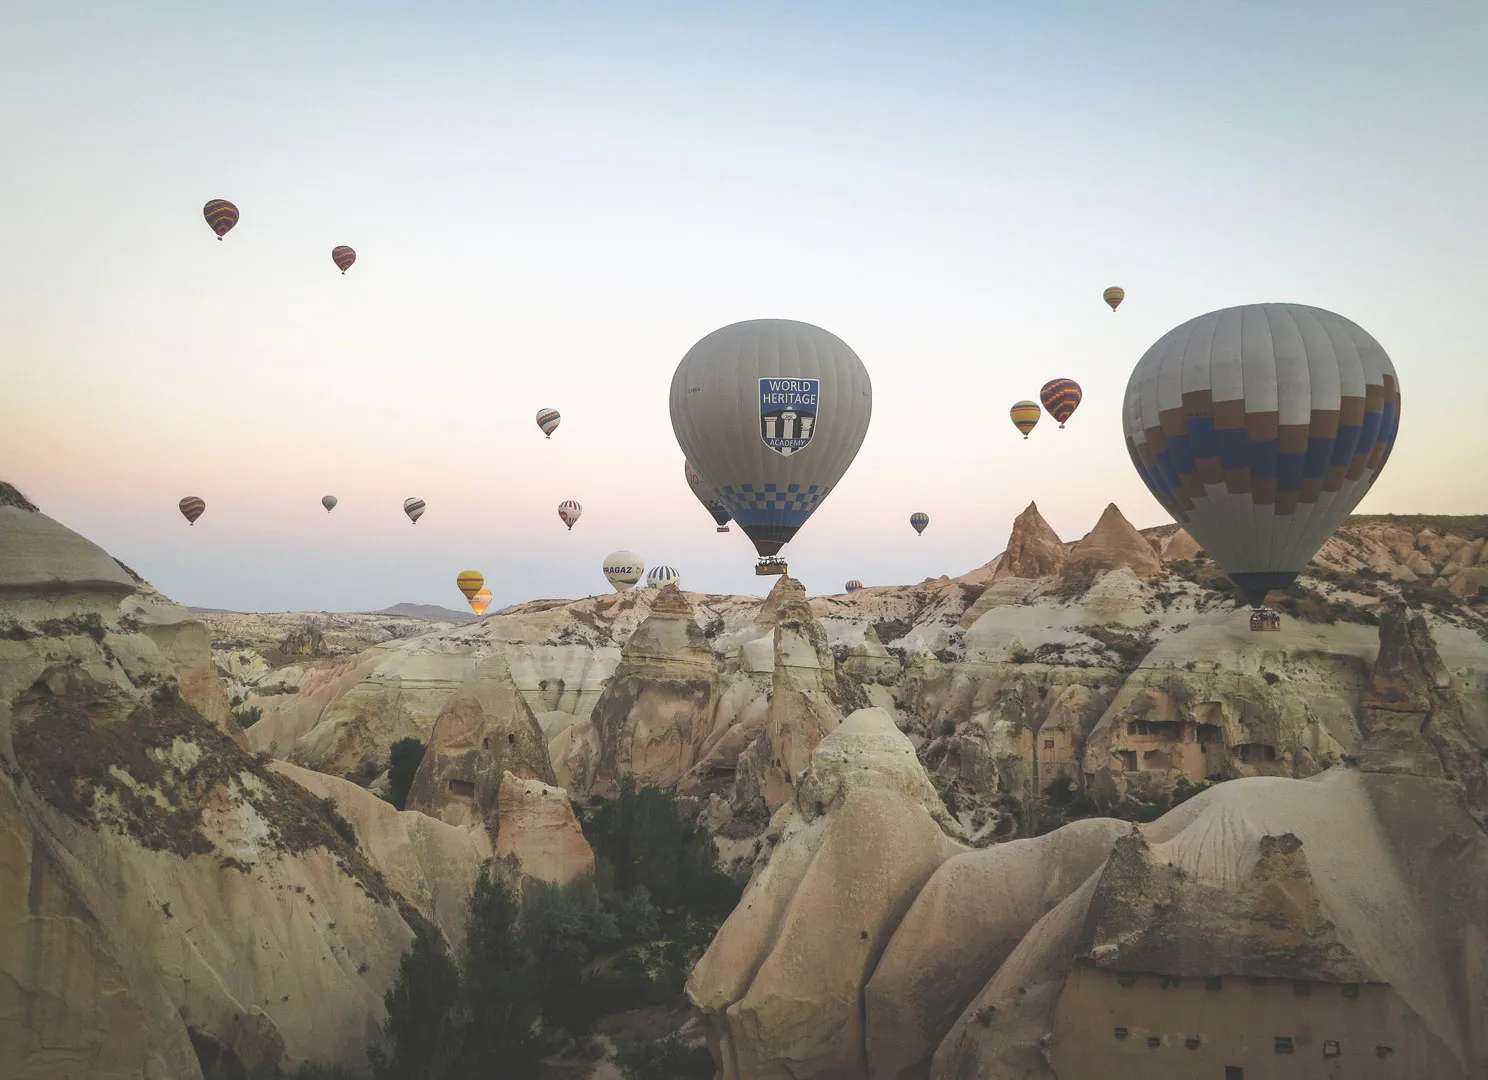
(854, 585)
(414, 508)
(548, 419)
(1113, 296)
(343, 257)
(658, 576)
(470, 582)
(221, 215)
(1061, 397)
(480, 601)
(569, 511)
(1025, 414)
(918, 522)
(192, 508)
(1259, 428)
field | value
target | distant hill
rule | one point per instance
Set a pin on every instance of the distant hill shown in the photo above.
(427, 611)
(209, 611)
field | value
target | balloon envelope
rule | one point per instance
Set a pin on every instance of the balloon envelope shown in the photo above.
(1259, 428)
(1061, 397)
(221, 215)
(470, 582)
(192, 507)
(414, 508)
(548, 420)
(1113, 296)
(329, 502)
(854, 585)
(343, 257)
(707, 494)
(480, 601)
(569, 511)
(772, 413)
(622, 569)
(1025, 414)
(918, 522)
(658, 576)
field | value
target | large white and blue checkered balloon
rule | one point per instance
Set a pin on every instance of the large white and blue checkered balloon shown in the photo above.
(1259, 428)
(772, 413)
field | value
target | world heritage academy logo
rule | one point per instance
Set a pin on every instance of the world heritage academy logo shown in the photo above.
(788, 413)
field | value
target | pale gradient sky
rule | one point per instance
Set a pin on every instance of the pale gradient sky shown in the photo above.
(552, 202)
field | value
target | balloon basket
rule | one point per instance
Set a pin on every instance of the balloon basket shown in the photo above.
(767, 567)
(1263, 620)
(723, 528)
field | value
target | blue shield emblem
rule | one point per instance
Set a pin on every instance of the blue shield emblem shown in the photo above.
(788, 413)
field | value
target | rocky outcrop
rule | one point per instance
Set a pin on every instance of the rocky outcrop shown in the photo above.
(780, 987)
(486, 731)
(1033, 549)
(538, 826)
(800, 710)
(160, 885)
(654, 714)
(1411, 720)
(1112, 543)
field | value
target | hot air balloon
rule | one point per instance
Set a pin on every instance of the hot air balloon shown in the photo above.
(470, 582)
(1113, 296)
(343, 257)
(221, 215)
(918, 522)
(569, 512)
(548, 420)
(658, 576)
(480, 601)
(192, 508)
(707, 494)
(772, 413)
(1025, 414)
(329, 502)
(1259, 428)
(854, 585)
(414, 508)
(1061, 397)
(622, 569)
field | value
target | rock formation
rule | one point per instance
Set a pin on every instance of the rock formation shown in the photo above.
(1111, 544)
(651, 719)
(1330, 918)
(486, 731)
(800, 710)
(158, 884)
(538, 826)
(1033, 549)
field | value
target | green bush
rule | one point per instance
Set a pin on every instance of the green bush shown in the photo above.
(248, 716)
(642, 840)
(668, 1058)
(404, 757)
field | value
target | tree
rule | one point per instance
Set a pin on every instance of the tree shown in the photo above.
(403, 761)
(496, 1011)
(418, 1006)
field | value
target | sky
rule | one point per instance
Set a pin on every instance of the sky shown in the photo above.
(552, 202)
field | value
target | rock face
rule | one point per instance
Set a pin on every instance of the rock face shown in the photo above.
(486, 731)
(780, 988)
(652, 717)
(800, 710)
(1112, 543)
(1033, 549)
(1326, 913)
(538, 827)
(158, 883)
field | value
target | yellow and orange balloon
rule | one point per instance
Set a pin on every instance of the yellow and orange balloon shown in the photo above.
(1113, 296)
(470, 582)
(480, 601)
